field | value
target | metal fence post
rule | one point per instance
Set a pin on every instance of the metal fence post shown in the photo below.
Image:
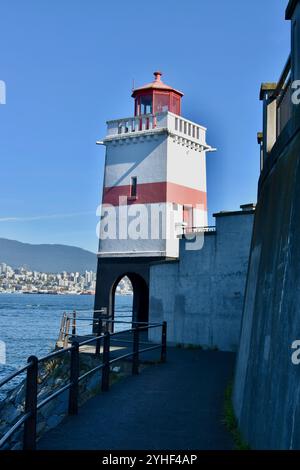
(163, 356)
(29, 438)
(99, 332)
(62, 326)
(74, 375)
(66, 334)
(135, 356)
(105, 368)
(74, 323)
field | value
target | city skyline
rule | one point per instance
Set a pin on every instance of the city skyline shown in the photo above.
(60, 94)
(25, 280)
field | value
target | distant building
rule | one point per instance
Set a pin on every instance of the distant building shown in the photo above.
(3, 268)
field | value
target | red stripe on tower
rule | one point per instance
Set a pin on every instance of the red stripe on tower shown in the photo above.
(153, 193)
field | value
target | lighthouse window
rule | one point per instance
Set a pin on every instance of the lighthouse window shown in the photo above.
(133, 187)
(162, 102)
(146, 104)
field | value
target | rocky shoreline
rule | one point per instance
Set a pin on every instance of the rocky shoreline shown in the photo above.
(52, 376)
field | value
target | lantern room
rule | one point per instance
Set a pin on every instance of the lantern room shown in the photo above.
(156, 97)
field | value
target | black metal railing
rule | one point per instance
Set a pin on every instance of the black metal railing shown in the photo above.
(207, 229)
(32, 405)
(100, 323)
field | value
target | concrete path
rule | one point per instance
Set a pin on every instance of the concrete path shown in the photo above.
(176, 405)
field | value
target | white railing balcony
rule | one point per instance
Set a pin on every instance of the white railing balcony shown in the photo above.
(131, 124)
(148, 122)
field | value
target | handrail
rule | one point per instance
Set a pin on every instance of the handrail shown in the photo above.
(13, 375)
(53, 395)
(89, 372)
(59, 352)
(14, 428)
(29, 418)
(95, 320)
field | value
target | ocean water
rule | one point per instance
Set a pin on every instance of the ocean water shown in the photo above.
(29, 323)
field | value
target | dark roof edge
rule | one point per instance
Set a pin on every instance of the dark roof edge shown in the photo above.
(228, 214)
(290, 9)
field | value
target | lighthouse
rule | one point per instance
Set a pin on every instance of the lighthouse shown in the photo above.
(154, 190)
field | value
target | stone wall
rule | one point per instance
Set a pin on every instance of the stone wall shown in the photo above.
(267, 386)
(201, 296)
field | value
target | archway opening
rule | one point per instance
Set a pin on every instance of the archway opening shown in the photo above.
(130, 301)
(123, 303)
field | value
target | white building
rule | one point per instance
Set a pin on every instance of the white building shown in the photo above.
(154, 185)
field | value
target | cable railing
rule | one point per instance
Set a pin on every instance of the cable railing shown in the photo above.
(102, 341)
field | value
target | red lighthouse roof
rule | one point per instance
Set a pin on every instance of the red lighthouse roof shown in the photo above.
(156, 97)
(157, 84)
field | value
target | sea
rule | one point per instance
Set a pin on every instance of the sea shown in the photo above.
(29, 324)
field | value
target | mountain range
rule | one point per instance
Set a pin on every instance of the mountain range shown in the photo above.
(46, 258)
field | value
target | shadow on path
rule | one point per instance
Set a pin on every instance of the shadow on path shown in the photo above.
(176, 405)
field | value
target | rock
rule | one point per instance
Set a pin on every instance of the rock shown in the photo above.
(10, 413)
(19, 397)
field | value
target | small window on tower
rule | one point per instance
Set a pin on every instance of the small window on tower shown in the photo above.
(133, 187)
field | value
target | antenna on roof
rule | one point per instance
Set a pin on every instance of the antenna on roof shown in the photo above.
(133, 84)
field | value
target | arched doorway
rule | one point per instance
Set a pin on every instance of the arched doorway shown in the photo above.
(123, 303)
(139, 301)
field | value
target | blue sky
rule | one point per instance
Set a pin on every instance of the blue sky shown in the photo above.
(68, 66)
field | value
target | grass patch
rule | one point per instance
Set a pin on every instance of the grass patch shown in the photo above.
(231, 421)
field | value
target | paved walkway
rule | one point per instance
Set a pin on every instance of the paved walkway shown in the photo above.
(176, 405)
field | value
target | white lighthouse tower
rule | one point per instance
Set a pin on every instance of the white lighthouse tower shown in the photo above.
(154, 188)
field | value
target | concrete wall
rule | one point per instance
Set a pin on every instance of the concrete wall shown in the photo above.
(267, 386)
(145, 158)
(186, 165)
(201, 295)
